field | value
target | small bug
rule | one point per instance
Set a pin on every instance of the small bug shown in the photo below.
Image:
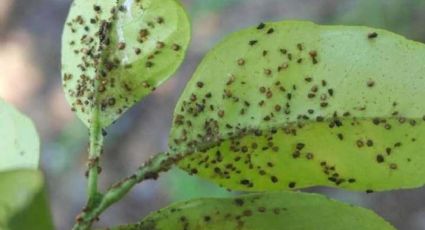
(372, 35)
(252, 42)
(175, 47)
(261, 26)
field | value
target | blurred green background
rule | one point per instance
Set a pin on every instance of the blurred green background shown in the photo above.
(30, 33)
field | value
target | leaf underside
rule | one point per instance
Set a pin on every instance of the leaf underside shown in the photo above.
(283, 210)
(116, 52)
(293, 104)
(19, 144)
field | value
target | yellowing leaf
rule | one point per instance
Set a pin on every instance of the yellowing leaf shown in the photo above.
(293, 104)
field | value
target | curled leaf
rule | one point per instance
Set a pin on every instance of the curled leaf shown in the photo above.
(116, 52)
(293, 104)
(284, 210)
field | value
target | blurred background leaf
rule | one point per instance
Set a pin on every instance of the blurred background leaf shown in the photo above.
(19, 141)
(23, 201)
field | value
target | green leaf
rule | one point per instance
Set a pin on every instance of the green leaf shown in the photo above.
(23, 203)
(116, 52)
(180, 186)
(284, 210)
(19, 143)
(294, 104)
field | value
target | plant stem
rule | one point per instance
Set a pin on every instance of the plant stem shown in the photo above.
(95, 150)
(161, 162)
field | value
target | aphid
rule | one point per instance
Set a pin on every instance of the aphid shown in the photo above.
(103, 31)
(149, 64)
(261, 26)
(300, 146)
(309, 156)
(122, 8)
(101, 89)
(291, 185)
(241, 61)
(160, 20)
(372, 35)
(313, 55)
(231, 80)
(273, 179)
(300, 46)
(323, 104)
(200, 84)
(220, 113)
(379, 158)
(96, 8)
(270, 31)
(393, 166)
(239, 202)
(143, 33)
(160, 45)
(281, 67)
(267, 72)
(137, 51)
(376, 121)
(359, 143)
(370, 83)
(269, 94)
(121, 45)
(111, 101)
(289, 56)
(369, 143)
(175, 47)
(283, 51)
(245, 182)
(252, 42)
